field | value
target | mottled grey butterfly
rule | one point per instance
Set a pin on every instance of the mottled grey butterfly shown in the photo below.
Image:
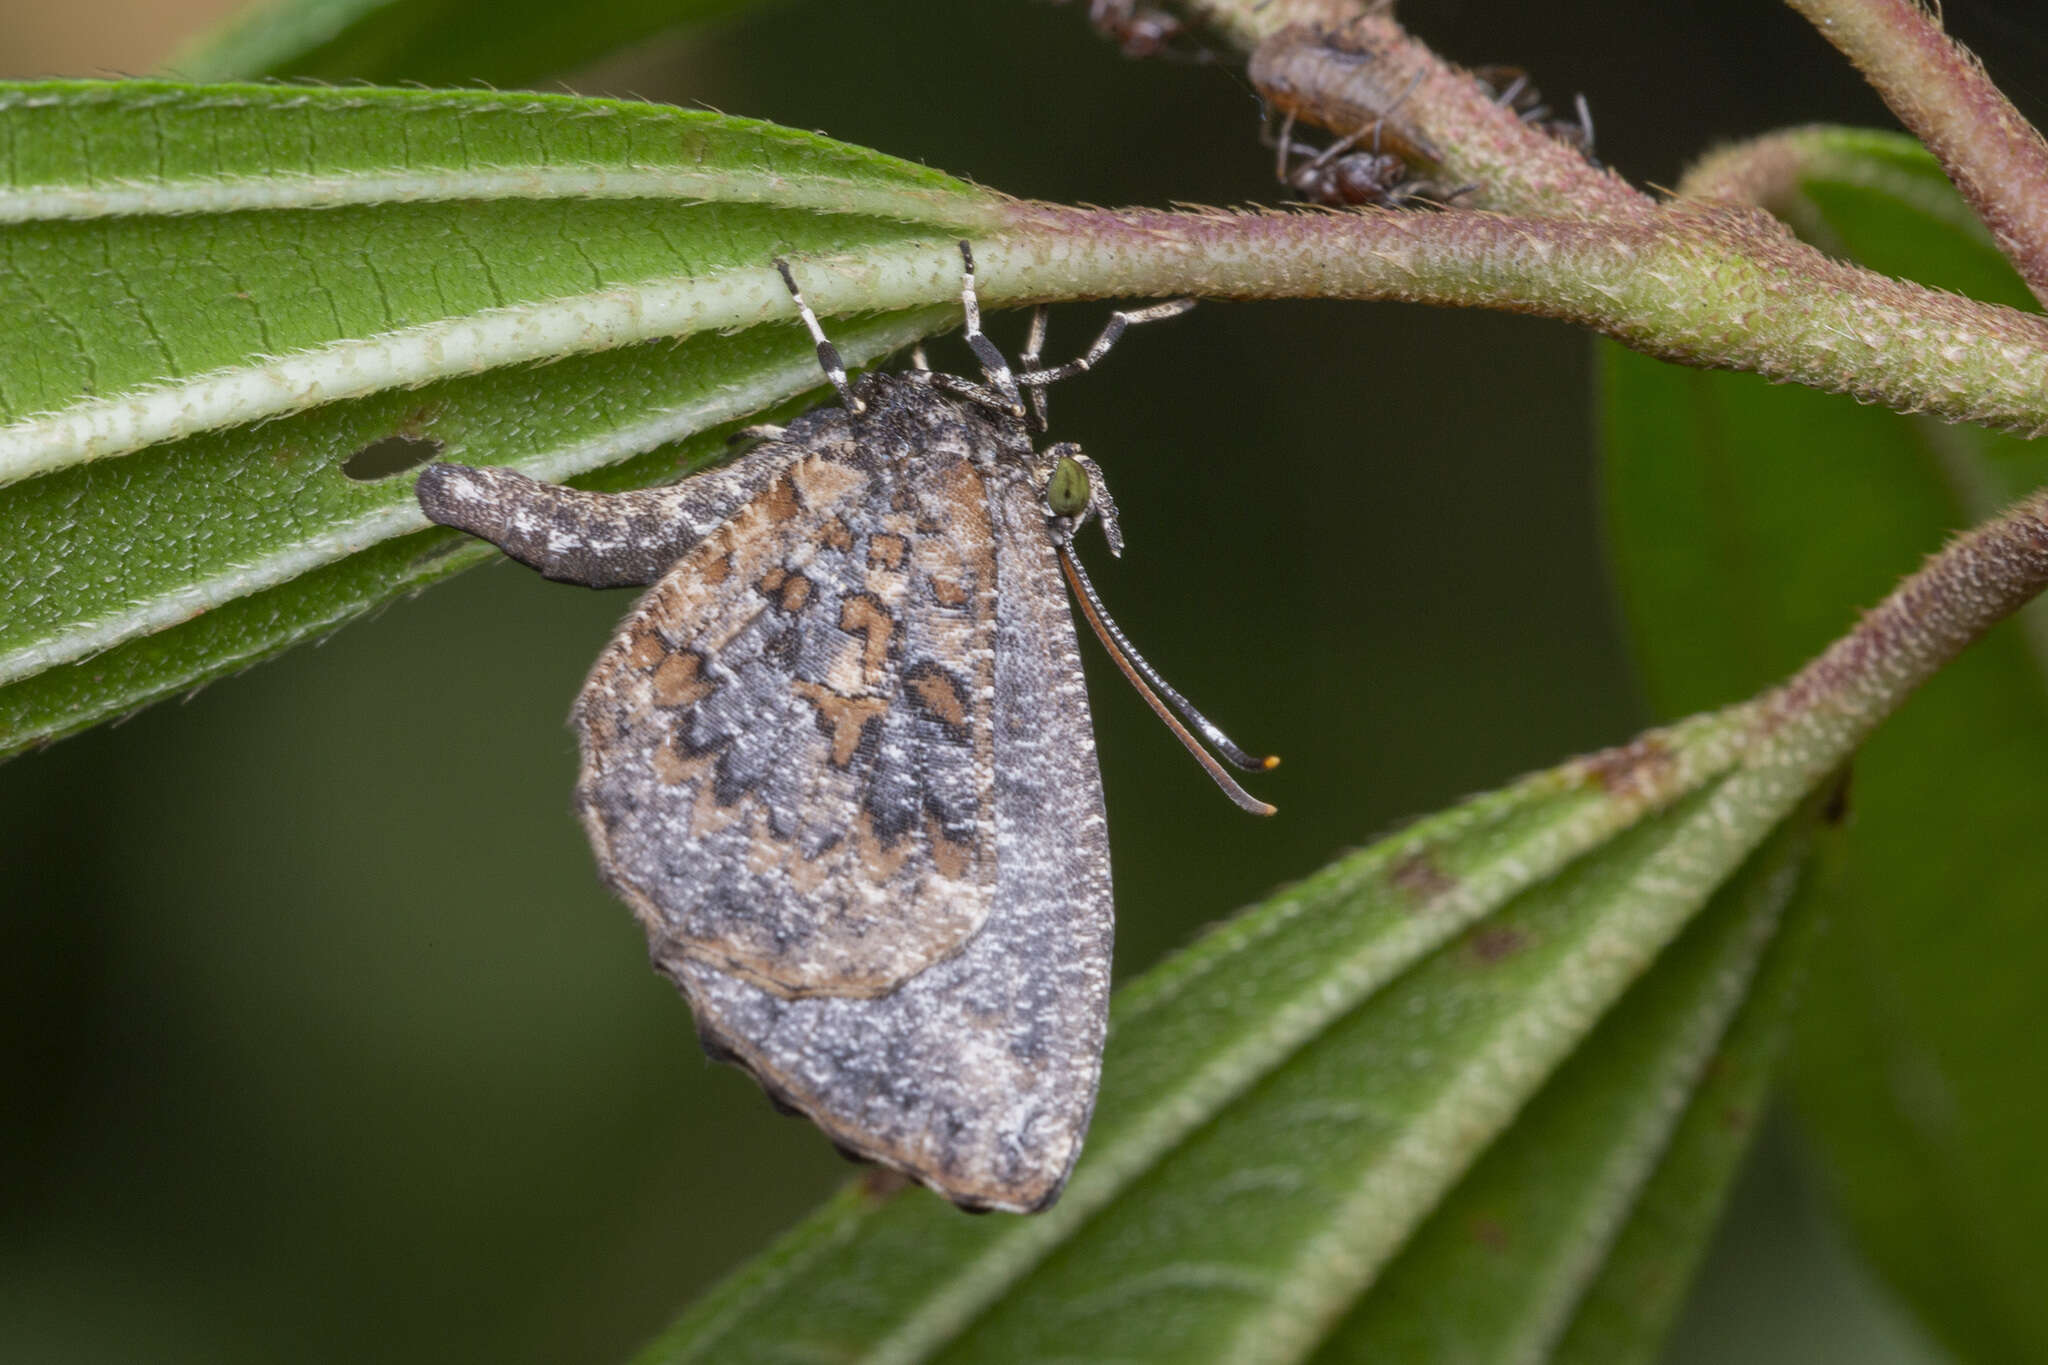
(838, 758)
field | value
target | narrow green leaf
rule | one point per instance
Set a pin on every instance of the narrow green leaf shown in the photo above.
(1747, 521)
(221, 296)
(1257, 1234)
(432, 42)
(146, 588)
(1628, 1310)
(1285, 1102)
(1497, 1272)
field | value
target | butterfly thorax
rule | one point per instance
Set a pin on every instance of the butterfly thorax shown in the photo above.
(911, 426)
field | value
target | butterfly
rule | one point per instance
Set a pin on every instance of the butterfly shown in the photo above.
(838, 760)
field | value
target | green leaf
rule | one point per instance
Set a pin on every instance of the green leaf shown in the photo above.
(1290, 1101)
(1626, 1313)
(1746, 521)
(432, 42)
(1504, 1265)
(1286, 1103)
(220, 296)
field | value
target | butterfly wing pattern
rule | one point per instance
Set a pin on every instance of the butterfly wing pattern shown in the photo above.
(838, 761)
(838, 758)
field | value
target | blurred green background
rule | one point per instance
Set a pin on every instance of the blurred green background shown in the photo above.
(320, 1038)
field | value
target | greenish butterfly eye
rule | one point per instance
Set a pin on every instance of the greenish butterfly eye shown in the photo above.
(1066, 492)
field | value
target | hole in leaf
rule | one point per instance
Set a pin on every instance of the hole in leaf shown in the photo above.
(382, 458)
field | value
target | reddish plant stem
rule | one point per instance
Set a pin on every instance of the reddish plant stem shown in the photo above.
(1704, 285)
(1760, 301)
(1760, 279)
(1777, 171)
(1982, 577)
(1505, 163)
(1764, 172)
(1940, 92)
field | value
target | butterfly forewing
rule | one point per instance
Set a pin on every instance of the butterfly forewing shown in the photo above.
(787, 763)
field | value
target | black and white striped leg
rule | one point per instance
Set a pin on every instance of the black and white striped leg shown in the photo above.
(1111, 330)
(995, 370)
(828, 354)
(962, 387)
(1034, 349)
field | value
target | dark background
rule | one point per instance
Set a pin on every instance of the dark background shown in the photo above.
(318, 1037)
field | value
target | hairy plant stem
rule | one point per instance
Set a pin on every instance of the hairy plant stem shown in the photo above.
(1940, 92)
(1776, 171)
(1707, 285)
(1767, 172)
(1508, 164)
(1770, 304)
(1982, 577)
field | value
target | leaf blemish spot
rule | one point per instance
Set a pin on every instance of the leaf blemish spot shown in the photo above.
(1421, 876)
(1489, 1233)
(388, 456)
(1628, 766)
(1491, 943)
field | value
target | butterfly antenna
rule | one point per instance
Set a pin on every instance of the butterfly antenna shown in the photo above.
(1144, 678)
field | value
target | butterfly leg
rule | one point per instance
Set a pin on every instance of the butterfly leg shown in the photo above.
(1111, 330)
(995, 370)
(828, 354)
(1034, 348)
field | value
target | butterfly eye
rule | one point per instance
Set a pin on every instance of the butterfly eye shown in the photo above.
(1067, 492)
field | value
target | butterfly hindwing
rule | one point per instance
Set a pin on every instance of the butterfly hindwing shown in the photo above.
(976, 1076)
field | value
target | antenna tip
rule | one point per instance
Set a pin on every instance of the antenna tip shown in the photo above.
(1270, 762)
